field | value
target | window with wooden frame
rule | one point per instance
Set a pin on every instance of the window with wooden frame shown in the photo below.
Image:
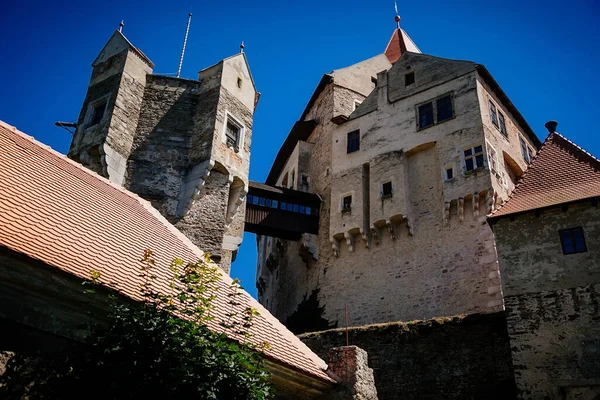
(425, 115)
(502, 124)
(233, 133)
(353, 143)
(572, 241)
(493, 113)
(492, 158)
(473, 157)
(526, 150)
(435, 111)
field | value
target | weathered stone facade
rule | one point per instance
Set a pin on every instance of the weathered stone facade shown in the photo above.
(552, 302)
(448, 358)
(166, 139)
(423, 250)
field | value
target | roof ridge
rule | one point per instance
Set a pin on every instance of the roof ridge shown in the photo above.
(145, 203)
(579, 148)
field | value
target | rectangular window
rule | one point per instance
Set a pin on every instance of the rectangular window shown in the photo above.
(409, 79)
(346, 203)
(261, 201)
(386, 189)
(572, 241)
(268, 202)
(283, 205)
(425, 115)
(232, 135)
(526, 151)
(353, 141)
(274, 204)
(254, 200)
(473, 158)
(98, 112)
(493, 115)
(304, 180)
(502, 126)
(449, 174)
(492, 160)
(444, 108)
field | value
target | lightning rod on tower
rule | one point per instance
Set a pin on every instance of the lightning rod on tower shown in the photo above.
(187, 30)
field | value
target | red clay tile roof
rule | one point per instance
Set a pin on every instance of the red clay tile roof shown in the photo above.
(399, 44)
(56, 211)
(561, 172)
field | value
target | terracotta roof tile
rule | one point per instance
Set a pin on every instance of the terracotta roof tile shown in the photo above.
(399, 44)
(561, 172)
(54, 210)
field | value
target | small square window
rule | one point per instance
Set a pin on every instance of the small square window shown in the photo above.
(274, 204)
(572, 241)
(353, 141)
(444, 108)
(502, 122)
(98, 111)
(409, 79)
(346, 203)
(386, 189)
(283, 205)
(261, 201)
(449, 174)
(425, 115)
(290, 207)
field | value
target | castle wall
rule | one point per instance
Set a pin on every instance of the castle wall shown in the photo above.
(168, 124)
(429, 261)
(446, 358)
(552, 302)
(509, 160)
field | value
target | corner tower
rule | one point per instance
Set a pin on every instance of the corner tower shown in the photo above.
(182, 144)
(110, 111)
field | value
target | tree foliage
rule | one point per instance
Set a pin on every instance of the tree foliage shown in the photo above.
(162, 347)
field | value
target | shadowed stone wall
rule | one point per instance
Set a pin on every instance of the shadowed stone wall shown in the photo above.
(451, 358)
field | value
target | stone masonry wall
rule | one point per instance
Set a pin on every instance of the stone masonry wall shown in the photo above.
(552, 301)
(450, 358)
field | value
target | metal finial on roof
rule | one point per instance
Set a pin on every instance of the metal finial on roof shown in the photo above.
(121, 25)
(551, 126)
(187, 30)
(397, 17)
(242, 47)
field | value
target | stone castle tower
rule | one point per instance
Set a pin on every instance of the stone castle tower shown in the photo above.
(183, 145)
(409, 152)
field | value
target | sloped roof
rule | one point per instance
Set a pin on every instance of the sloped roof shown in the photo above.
(561, 172)
(399, 44)
(56, 211)
(116, 44)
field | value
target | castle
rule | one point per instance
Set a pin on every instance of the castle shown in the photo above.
(409, 186)
(409, 153)
(176, 142)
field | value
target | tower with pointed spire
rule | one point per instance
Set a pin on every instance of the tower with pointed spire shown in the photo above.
(409, 152)
(182, 144)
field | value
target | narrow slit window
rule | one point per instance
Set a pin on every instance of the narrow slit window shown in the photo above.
(425, 115)
(449, 174)
(409, 79)
(353, 141)
(572, 241)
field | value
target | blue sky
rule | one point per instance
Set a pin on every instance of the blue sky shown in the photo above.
(544, 54)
